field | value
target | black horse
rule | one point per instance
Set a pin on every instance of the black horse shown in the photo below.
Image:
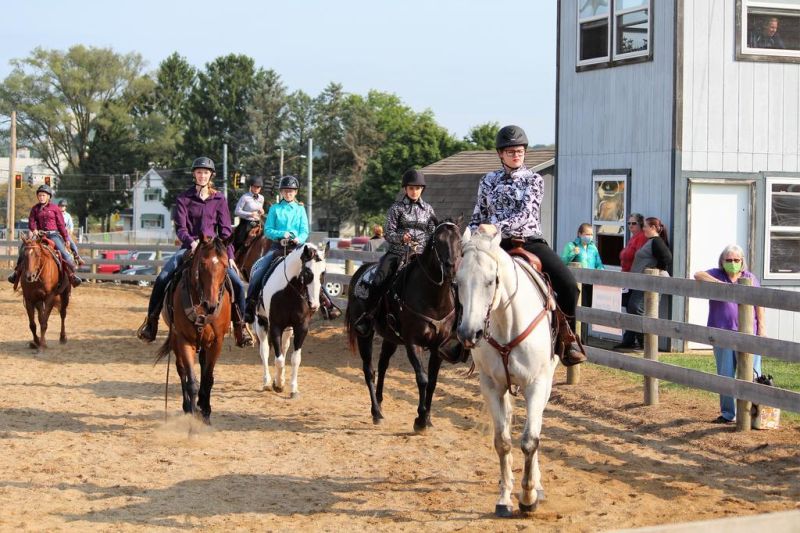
(418, 312)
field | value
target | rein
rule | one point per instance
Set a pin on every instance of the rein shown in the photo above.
(192, 310)
(305, 273)
(37, 248)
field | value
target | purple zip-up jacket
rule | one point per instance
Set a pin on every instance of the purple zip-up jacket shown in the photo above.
(195, 218)
(48, 217)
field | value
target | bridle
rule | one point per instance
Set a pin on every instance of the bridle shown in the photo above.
(202, 313)
(306, 276)
(438, 257)
(36, 247)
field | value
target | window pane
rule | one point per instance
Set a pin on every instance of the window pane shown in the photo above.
(610, 204)
(785, 208)
(773, 29)
(591, 8)
(632, 32)
(594, 40)
(622, 5)
(784, 255)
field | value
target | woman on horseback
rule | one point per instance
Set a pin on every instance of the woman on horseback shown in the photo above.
(409, 224)
(249, 209)
(200, 211)
(510, 199)
(46, 219)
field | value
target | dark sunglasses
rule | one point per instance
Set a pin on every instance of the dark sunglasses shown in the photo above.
(633, 223)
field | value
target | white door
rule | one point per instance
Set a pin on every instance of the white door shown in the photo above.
(719, 214)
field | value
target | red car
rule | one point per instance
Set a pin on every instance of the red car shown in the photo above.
(112, 254)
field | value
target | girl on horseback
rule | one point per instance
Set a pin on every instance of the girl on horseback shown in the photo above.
(200, 211)
(510, 199)
(46, 219)
(409, 224)
(249, 209)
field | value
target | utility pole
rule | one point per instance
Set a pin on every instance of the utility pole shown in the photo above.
(280, 168)
(11, 180)
(225, 170)
(310, 185)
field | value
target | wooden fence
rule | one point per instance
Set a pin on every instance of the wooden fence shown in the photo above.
(651, 326)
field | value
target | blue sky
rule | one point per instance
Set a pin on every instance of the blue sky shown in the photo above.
(468, 61)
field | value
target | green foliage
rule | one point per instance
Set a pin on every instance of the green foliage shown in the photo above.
(267, 115)
(24, 200)
(482, 136)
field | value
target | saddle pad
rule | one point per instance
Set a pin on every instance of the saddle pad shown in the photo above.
(364, 284)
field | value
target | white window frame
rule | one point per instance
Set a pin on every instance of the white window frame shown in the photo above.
(151, 217)
(598, 223)
(744, 49)
(648, 8)
(609, 41)
(769, 229)
(611, 19)
(152, 191)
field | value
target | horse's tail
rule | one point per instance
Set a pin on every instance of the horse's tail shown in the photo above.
(348, 325)
(349, 319)
(165, 348)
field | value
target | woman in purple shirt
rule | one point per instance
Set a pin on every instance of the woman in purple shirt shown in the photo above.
(200, 211)
(725, 315)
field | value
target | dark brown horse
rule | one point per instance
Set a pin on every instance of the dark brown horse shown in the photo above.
(254, 246)
(201, 307)
(417, 312)
(43, 288)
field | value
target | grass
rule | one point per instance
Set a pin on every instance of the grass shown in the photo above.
(785, 374)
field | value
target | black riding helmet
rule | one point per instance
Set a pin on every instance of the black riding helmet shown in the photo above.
(62, 203)
(45, 189)
(255, 181)
(510, 136)
(414, 177)
(203, 162)
(289, 182)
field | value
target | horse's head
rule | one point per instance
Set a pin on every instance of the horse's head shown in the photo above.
(312, 262)
(478, 279)
(444, 248)
(32, 257)
(209, 267)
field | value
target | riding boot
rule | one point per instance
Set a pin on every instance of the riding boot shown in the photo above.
(148, 330)
(14, 277)
(240, 331)
(568, 347)
(250, 309)
(73, 279)
(329, 309)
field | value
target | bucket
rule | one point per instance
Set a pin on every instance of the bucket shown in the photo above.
(764, 417)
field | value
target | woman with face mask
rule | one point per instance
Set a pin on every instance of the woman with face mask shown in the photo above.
(725, 315)
(583, 250)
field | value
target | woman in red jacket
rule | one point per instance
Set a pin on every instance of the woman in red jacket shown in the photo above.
(637, 240)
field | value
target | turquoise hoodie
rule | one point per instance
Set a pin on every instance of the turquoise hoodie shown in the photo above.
(286, 216)
(588, 257)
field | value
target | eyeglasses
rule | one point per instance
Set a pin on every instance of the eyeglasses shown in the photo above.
(733, 260)
(512, 153)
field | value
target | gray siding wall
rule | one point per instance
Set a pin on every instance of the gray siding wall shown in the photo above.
(739, 116)
(615, 118)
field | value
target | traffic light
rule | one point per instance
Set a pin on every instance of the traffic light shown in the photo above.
(47, 180)
(18, 181)
(30, 180)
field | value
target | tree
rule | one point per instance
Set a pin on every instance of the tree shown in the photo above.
(482, 136)
(267, 115)
(59, 98)
(300, 119)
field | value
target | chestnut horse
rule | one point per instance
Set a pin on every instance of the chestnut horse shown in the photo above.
(43, 288)
(201, 304)
(255, 246)
(417, 312)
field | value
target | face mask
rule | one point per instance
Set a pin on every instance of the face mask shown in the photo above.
(587, 239)
(732, 268)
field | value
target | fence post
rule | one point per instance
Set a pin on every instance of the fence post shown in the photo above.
(158, 258)
(651, 342)
(93, 255)
(349, 267)
(744, 362)
(574, 371)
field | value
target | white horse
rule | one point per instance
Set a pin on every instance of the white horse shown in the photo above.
(503, 304)
(289, 300)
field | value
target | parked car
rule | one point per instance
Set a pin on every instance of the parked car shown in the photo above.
(139, 270)
(146, 255)
(112, 254)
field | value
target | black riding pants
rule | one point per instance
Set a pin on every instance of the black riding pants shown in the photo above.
(562, 280)
(387, 266)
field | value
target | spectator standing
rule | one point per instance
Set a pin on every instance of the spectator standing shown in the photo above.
(725, 315)
(583, 250)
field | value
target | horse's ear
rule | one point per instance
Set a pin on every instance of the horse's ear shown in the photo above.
(306, 254)
(459, 220)
(496, 238)
(466, 236)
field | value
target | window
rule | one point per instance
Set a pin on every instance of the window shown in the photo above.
(782, 243)
(608, 215)
(612, 31)
(152, 195)
(768, 31)
(151, 221)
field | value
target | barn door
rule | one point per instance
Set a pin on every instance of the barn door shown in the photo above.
(720, 213)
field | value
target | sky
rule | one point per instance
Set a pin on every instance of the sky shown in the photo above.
(468, 61)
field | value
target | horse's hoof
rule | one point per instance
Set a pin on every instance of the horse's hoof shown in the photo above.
(527, 509)
(63, 340)
(503, 511)
(33, 346)
(376, 420)
(207, 420)
(294, 395)
(277, 388)
(419, 428)
(266, 387)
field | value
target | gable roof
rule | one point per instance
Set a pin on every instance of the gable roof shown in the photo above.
(161, 173)
(452, 183)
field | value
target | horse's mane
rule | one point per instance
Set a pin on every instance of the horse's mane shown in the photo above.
(483, 242)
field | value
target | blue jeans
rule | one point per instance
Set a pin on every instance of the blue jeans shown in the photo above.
(726, 366)
(258, 270)
(635, 307)
(168, 270)
(59, 242)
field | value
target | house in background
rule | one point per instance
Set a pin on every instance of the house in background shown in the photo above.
(452, 183)
(151, 220)
(688, 110)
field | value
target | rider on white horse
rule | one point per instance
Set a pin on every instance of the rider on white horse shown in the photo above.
(510, 199)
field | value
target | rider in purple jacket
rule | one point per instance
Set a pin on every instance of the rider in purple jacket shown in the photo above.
(199, 211)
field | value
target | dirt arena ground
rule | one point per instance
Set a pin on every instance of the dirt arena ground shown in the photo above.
(85, 445)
